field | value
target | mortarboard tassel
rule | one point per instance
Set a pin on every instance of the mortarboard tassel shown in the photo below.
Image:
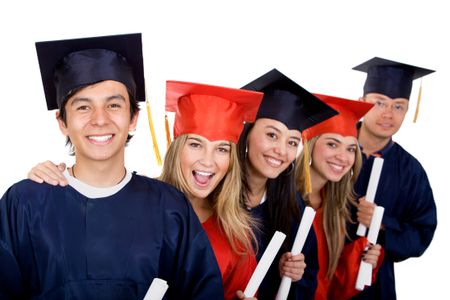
(418, 102)
(166, 122)
(306, 170)
(152, 132)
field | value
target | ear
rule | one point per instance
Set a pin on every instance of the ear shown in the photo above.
(133, 123)
(362, 99)
(61, 124)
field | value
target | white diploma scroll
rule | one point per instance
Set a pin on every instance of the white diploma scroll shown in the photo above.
(299, 242)
(264, 263)
(156, 290)
(372, 188)
(365, 269)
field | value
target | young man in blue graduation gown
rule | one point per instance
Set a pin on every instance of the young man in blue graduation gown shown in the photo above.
(109, 233)
(404, 191)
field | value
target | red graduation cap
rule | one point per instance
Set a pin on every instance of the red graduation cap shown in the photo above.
(350, 112)
(217, 113)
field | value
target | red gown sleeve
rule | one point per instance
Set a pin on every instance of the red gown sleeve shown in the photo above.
(343, 283)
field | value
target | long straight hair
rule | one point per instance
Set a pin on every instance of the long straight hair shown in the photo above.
(337, 199)
(280, 193)
(231, 216)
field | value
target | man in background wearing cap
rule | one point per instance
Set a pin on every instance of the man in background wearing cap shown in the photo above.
(404, 191)
(109, 233)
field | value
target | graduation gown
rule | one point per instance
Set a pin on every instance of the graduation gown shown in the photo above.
(236, 269)
(302, 289)
(409, 213)
(58, 243)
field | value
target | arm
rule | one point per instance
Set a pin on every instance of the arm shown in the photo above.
(11, 281)
(410, 233)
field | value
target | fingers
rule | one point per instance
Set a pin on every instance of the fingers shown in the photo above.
(365, 211)
(49, 173)
(292, 266)
(372, 254)
(240, 295)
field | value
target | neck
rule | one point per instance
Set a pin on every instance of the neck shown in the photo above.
(202, 208)
(97, 173)
(371, 143)
(257, 186)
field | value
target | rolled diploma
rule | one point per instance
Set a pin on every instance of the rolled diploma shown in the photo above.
(299, 242)
(372, 188)
(156, 290)
(365, 269)
(264, 263)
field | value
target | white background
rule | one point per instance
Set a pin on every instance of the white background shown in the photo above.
(230, 43)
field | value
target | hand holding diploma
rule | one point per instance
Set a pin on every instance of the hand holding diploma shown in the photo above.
(372, 188)
(264, 263)
(156, 290)
(365, 269)
(299, 242)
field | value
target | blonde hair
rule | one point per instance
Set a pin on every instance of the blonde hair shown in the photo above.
(337, 199)
(232, 218)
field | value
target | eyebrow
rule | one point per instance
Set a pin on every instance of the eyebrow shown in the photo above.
(87, 99)
(339, 141)
(201, 141)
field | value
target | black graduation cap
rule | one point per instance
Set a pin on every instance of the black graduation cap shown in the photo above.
(287, 102)
(390, 78)
(68, 64)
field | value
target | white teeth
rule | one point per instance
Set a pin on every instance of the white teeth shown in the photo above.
(274, 162)
(336, 167)
(203, 173)
(102, 138)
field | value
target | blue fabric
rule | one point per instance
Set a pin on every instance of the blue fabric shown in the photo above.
(409, 217)
(302, 289)
(57, 244)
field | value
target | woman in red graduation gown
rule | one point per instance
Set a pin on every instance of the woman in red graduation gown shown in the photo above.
(332, 158)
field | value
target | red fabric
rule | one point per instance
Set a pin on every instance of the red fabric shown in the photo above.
(342, 285)
(217, 113)
(236, 269)
(350, 112)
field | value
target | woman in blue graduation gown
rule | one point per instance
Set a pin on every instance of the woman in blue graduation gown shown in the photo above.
(267, 150)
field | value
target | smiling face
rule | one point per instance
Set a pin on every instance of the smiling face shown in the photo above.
(204, 164)
(386, 117)
(98, 121)
(333, 156)
(272, 147)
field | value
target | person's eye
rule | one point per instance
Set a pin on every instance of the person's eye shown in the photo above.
(194, 145)
(272, 135)
(380, 104)
(352, 149)
(399, 107)
(293, 143)
(115, 105)
(331, 145)
(224, 149)
(82, 108)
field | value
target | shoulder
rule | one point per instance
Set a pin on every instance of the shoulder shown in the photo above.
(405, 159)
(168, 194)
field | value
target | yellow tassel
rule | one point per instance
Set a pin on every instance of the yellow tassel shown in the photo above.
(306, 170)
(168, 140)
(152, 132)
(418, 102)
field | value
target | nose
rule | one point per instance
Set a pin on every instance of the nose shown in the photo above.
(342, 155)
(280, 148)
(99, 117)
(207, 158)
